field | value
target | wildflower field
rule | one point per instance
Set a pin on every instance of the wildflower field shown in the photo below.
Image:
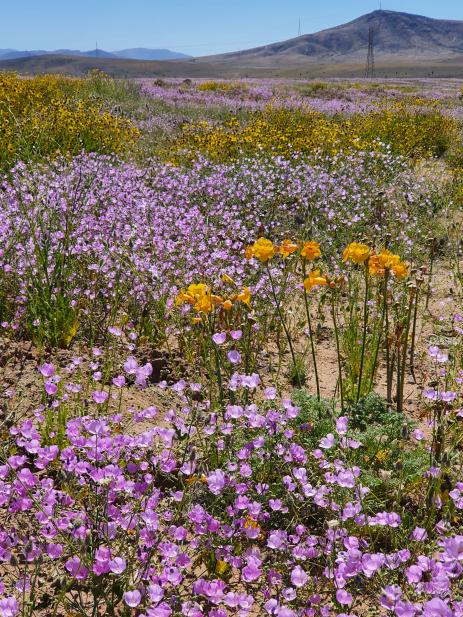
(231, 333)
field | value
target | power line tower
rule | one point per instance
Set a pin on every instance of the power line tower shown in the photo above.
(370, 66)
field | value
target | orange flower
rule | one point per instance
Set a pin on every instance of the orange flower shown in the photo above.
(314, 280)
(310, 250)
(356, 252)
(216, 300)
(375, 267)
(227, 305)
(262, 249)
(287, 248)
(249, 252)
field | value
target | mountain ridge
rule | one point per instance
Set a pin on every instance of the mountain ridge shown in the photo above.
(135, 53)
(396, 35)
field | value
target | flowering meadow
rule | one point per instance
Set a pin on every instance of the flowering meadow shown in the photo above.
(231, 348)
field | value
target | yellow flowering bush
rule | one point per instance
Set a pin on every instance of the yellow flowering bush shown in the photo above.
(413, 128)
(273, 130)
(416, 127)
(48, 114)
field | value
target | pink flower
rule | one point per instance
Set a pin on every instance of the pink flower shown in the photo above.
(344, 597)
(54, 551)
(341, 425)
(270, 394)
(437, 608)
(51, 388)
(132, 598)
(47, 370)
(131, 365)
(117, 565)
(8, 607)
(327, 442)
(250, 572)
(119, 381)
(234, 356)
(219, 338)
(100, 397)
(216, 481)
(76, 569)
(298, 577)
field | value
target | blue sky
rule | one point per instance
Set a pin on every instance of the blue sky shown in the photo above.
(196, 27)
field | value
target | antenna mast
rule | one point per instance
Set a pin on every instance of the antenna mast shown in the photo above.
(370, 67)
(299, 32)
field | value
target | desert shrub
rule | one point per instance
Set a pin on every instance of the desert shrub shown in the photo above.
(49, 114)
(415, 128)
(411, 130)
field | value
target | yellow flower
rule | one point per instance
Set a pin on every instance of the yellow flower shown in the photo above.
(262, 249)
(310, 250)
(227, 305)
(314, 280)
(287, 248)
(356, 252)
(388, 259)
(194, 293)
(400, 270)
(204, 303)
(244, 296)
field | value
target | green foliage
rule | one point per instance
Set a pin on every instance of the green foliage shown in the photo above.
(390, 463)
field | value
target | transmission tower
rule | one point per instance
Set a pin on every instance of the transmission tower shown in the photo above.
(370, 67)
(299, 32)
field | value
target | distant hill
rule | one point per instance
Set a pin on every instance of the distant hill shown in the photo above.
(116, 67)
(398, 37)
(137, 53)
(142, 53)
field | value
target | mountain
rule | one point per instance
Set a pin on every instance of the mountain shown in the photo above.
(142, 53)
(138, 53)
(397, 37)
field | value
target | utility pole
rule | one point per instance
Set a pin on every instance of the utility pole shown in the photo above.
(370, 66)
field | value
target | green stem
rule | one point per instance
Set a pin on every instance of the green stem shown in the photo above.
(280, 315)
(312, 343)
(365, 327)
(412, 346)
(403, 365)
(338, 349)
(378, 343)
